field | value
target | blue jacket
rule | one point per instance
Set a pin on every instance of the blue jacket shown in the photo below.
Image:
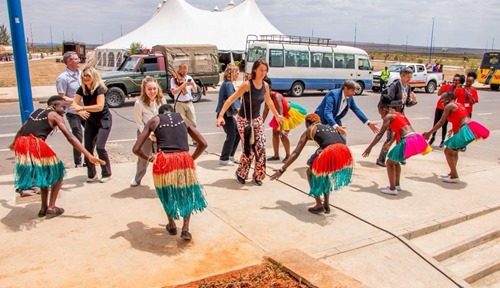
(225, 91)
(330, 105)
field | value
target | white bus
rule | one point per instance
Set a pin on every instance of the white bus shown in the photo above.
(299, 63)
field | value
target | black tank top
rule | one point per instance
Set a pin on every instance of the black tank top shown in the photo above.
(257, 100)
(38, 124)
(171, 133)
(326, 135)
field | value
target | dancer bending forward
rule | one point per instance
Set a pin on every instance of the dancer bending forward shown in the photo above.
(464, 132)
(330, 167)
(408, 144)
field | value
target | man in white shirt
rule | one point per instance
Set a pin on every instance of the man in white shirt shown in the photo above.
(67, 83)
(183, 94)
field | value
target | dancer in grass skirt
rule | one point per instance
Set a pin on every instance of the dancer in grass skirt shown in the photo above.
(294, 116)
(408, 144)
(36, 164)
(464, 132)
(174, 171)
(330, 167)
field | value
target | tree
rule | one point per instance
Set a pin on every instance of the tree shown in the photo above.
(4, 35)
(135, 48)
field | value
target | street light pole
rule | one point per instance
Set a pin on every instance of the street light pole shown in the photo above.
(432, 39)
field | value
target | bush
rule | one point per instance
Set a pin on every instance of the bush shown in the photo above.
(420, 60)
(135, 48)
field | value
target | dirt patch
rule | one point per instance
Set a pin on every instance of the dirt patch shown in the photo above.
(43, 72)
(258, 276)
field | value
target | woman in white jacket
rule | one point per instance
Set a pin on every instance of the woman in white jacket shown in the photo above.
(145, 108)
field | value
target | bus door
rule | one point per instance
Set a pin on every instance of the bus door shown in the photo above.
(364, 71)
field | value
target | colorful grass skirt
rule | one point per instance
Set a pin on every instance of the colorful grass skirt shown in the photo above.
(468, 132)
(296, 115)
(409, 146)
(331, 170)
(36, 164)
(174, 176)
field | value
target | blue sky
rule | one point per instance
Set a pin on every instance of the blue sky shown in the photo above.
(458, 23)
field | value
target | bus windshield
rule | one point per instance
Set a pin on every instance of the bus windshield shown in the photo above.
(490, 60)
(256, 53)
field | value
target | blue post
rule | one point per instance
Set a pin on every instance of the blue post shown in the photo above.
(20, 59)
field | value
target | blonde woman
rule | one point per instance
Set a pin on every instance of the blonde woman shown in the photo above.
(230, 128)
(98, 121)
(145, 108)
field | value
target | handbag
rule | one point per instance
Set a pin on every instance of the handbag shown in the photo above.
(248, 131)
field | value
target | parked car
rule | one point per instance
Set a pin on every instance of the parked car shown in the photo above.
(202, 61)
(421, 77)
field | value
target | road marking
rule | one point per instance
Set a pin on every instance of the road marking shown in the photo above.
(7, 135)
(8, 116)
(482, 114)
(4, 150)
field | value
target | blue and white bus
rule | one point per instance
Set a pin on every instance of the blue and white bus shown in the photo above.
(300, 63)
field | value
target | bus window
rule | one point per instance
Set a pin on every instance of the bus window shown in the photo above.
(297, 58)
(316, 59)
(327, 60)
(364, 64)
(256, 53)
(276, 57)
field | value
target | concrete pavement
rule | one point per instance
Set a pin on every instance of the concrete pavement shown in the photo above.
(113, 235)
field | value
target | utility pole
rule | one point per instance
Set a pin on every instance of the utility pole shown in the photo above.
(21, 63)
(355, 31)
(493, 44)
(121, 30)
(51, 45)
(406, 46)
(432, 39)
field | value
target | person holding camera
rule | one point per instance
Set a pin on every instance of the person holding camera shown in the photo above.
(230, 128)
(182, 87)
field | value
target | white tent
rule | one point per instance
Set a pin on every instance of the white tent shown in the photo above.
(178, 22)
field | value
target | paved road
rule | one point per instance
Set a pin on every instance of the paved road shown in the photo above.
(124, 131)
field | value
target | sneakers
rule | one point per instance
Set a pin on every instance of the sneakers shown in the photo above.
(231, 158)
(398, 188)
(226, 163)
(105, 179)
(92, 180)
(134, 183)
(444, 176)
(380, 163)
(239, 179)
(441, 145)
(451, 180)
(389, 191)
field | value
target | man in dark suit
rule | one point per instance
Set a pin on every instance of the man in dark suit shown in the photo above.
(400, 95)
(337, 103)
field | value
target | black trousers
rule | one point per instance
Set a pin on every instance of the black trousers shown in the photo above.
(232, 138)
(437, 115)
(96, 135)
(76, 123)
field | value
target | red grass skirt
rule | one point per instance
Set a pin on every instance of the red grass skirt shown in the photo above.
(176, 183)
(331, 170)
(36, 164)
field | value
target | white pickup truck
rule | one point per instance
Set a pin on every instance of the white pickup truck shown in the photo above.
(421, 77)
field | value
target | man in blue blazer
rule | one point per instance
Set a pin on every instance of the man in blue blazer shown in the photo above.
(335, 105)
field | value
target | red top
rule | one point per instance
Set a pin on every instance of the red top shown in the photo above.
(465, 96)
(397, 123)
(284, 103)
(445, 88)
(454, 117)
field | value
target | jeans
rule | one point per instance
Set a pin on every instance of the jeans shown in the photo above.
(232, 138)
(76, 123)
(96, 135)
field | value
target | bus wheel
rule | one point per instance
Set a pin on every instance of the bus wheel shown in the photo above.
(361, 87)
(297, 89)
(494, 87)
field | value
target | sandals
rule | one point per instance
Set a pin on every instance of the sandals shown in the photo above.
(171, 230)
(186, 235)
(284, 159)
(327, 209)
(42, 212)
(316, 210)
(273, 158)
(56, 212)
